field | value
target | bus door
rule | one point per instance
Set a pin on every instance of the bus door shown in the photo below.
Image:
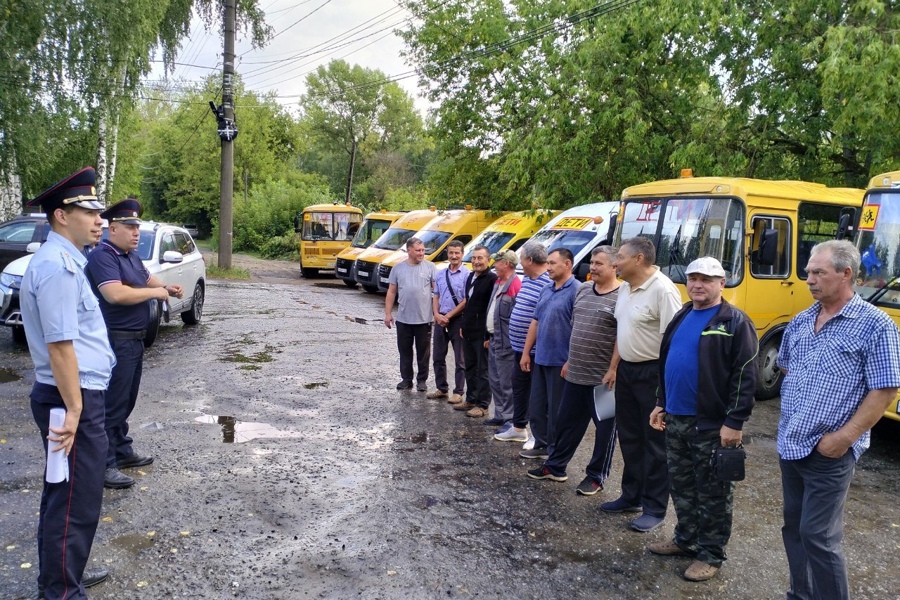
(772, 290)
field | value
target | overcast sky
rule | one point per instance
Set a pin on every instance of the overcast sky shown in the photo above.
(307, 33)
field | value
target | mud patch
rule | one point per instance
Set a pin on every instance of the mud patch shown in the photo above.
(8, 376)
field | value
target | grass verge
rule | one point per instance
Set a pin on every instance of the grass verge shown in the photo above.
(232, 273)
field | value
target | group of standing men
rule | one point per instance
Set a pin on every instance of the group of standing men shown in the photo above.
(684, 380)
(84, 308)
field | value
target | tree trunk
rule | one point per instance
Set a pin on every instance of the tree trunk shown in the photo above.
(350, 173)
(10, 194)
(101, 157)
(114, 155)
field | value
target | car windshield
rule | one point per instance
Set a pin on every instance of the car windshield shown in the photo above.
(337, 226)
(878, 242)
(393, 238)
(684, 229)
(433, 240)
(145, 245)
(370, 231)
(494, 240)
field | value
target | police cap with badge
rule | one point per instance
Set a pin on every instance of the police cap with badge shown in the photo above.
(75, 190)
(127, 212)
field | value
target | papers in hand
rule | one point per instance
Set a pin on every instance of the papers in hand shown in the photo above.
(604, 402)
(57, 462)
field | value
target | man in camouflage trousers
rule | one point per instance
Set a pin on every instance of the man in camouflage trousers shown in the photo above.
(700, 413)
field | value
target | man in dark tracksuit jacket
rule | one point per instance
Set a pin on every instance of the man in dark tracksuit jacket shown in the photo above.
(479, 286)
(708, 368)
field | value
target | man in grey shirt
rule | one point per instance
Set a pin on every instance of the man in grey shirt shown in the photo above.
(412, 283)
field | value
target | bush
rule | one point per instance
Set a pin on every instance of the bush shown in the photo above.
(282, 247)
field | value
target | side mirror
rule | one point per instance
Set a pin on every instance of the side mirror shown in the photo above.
(767, 254)
(845, 223)
(32, 247)
(171, 256)
(296, 223)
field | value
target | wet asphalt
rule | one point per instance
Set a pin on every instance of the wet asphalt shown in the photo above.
(287, 466)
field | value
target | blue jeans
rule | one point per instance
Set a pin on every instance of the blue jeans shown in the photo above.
(815, 489)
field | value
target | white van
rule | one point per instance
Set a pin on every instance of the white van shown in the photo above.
(580, 229)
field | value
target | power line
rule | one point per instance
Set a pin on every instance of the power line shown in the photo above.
(301, 19)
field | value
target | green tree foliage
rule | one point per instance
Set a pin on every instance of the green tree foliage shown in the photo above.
(361, 128)
(173, 166)
(569, 101)
(66, 65)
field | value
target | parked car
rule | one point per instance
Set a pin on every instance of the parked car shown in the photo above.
(192, 229)
(168, 252)
(18, 233)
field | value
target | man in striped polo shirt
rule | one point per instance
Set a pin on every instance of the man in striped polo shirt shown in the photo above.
(534, 267)
(592, 361)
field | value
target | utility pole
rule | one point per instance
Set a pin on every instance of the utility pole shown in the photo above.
(226, 183)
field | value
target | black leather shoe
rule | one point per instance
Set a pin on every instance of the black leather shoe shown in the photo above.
(89, 578)
(404, 385)
(135, 460)
(116, 480)
(92, 577)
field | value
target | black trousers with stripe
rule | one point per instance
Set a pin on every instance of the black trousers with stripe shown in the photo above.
(70, 510)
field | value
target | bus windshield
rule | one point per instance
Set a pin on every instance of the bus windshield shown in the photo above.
(433, 240)
(329, 226)
(878, 242)
(494, 240)
(369, 232)
(393, 238)
(573, 239)
(684, 229)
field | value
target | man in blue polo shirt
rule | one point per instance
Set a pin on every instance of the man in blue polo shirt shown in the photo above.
(549, 335)
(124, 287)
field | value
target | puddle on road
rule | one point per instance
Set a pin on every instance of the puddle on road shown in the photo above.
(134, 542)
(354, 481)
(237, 432)
(315, 385)
(359, 320)
(8, 376)
(263, 356)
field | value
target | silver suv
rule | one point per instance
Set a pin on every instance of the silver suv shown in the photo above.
(168, 252)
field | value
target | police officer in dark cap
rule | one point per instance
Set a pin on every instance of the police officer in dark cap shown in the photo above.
(72, 363)
(124, 287)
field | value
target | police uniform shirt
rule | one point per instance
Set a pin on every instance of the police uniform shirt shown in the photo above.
(108, 264)
(58, 304)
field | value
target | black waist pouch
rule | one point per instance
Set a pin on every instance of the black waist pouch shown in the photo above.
(728, 463)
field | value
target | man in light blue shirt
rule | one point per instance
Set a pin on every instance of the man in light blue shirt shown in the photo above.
(72, 362)
(449, 302)
(841, 359)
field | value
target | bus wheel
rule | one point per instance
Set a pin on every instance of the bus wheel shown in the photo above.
(309, 273)
(372, 289)
(349, 283)
(768, 382)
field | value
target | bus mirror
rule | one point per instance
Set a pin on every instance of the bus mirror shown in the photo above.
(296, 223)
(584, 269)
(845, 223)
(767, 255)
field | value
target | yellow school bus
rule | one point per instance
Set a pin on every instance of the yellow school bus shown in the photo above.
(761, 231)
(401, 230)
(325, 230)
(373, 227)
(448, 225)
(878, 241)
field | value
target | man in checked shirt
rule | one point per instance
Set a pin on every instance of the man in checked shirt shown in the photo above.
(841, 359)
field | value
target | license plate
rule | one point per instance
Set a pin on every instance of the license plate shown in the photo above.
(385, 280)
(362, 273)
(341, 270)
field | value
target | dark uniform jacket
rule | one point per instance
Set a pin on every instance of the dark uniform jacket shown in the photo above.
(474, 317)
(727, 357)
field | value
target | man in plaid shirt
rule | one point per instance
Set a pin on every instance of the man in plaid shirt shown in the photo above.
(841, 358)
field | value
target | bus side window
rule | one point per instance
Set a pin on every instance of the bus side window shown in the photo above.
(767, 230)
(815, 223)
